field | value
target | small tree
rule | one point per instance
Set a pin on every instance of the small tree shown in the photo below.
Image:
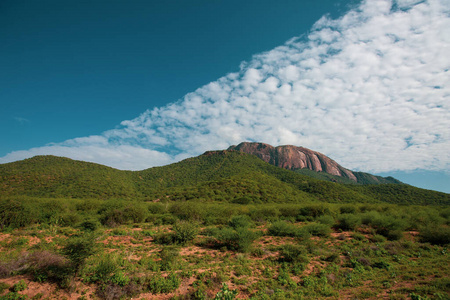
(225, 293)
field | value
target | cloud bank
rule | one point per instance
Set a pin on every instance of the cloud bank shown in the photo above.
(370, 89)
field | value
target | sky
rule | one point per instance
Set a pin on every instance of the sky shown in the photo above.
(137, 84)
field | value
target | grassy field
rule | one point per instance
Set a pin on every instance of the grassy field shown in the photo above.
(191, 250)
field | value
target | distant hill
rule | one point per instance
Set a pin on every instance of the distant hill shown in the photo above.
(52, 176)
(304, 160)
(230, 176)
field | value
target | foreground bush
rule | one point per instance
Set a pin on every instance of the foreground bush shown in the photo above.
(160, 284)
(15, 214)
(115, 213)
(79, 248)
(240, 221)
(435, 235)
(348, 221)
(184, 232)
(317, 229)
(293, 253)
(283, 228)
(239, 239)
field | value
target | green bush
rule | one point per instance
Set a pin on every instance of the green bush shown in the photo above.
(15, 214)
(70, 219)
(435, 235)
(326, 219)
(157, 208)
(264, 213)
(169, 257)
(188, 211)
(159, 284)
(317, 229)
(79, 248)
(239, 239)
(90, 224)
(19, 286)
(240, 221)
(293, 253)
(3, 287)
(389, 226)
(348, 222)
(89, 205)
(315, 210)
(348, 209)
(14, 296)
(282, 228)
(225, 293)
(104, 270)
(377, 238)
(118, 212)
(184, 232)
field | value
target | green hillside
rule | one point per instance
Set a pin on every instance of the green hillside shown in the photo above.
(214, 176)
(362, 177)
(52, 176)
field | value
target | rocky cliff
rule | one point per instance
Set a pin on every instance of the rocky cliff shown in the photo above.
(293, 157)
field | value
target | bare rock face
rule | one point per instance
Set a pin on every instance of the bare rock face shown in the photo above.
(293, 157)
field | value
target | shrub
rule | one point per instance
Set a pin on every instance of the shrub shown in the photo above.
(317, 229)
(13, 296)
(3, 287)
(120, 279)
(184, 232)
(189, 211)
(282, 228)
(48, 266)
(348, 221)
(15, 214)
(70, 219)
(242, 200)
(369, 217)
(264, 213)
(169, 257)
(435, 235)
(393, 235)
(159, 284)
(157, 208)
(90, 225)
(325, 219)
(78, 249)
(240, 221)
(19, 286)
(239, 239)
(358, 236)
(104, 270)
(112, 291)
(314, 211)
(293, 253)
(388, 226)
(88, 205)
(348, 209)
(225, 293)
(115, 212)
(161, 219)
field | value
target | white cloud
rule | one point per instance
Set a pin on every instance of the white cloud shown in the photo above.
(370, 89)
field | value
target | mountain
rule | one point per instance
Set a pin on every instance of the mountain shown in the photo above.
(229, 176)
(304, 160)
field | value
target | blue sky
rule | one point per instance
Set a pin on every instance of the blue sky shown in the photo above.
(135, 84)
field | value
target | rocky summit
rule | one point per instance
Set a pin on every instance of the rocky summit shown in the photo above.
(293, 158)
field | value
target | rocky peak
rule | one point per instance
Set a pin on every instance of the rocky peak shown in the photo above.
(293, 157)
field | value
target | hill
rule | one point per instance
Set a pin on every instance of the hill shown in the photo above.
(309, 162)
(230, 176)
